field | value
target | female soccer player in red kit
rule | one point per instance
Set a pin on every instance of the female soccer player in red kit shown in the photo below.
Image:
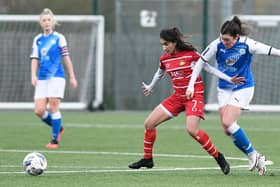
(178, 61)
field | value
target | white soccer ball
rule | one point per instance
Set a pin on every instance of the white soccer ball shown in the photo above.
(35, 163)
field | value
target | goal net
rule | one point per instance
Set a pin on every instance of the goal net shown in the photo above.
(85, 38)
(266, 69)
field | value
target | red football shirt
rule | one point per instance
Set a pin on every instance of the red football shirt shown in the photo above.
(179, 67)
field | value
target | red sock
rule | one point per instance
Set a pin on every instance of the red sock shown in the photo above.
(149, 140)
(206, 143)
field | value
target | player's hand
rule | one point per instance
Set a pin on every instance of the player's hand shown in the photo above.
(189, 94)
(34, 80)
(146, 89)
(73, 82)
(238, 80)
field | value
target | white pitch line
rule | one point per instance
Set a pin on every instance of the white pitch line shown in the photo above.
(112, 170)
(126, 170)
(141, 126)
(268, 162)
(116, 153)
(133, 170)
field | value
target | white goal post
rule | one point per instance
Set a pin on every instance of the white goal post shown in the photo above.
(266, 29)
(85, 38)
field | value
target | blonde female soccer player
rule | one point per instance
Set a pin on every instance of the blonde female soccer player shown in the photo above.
(48, 50)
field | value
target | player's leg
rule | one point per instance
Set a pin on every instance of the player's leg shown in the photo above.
(229, 114)
(161, 113)
(56, 88)
(239, 137)
(46, 117)
(157, 116)
(40, 100)
(55, 118)
(194, 112)
(40, 107)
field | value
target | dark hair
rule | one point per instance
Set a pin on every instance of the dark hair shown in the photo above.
(174, 35)
(235, 27)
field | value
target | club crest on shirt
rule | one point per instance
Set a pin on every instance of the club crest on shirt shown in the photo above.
(44, 51)
(242, 51)
(181, 63)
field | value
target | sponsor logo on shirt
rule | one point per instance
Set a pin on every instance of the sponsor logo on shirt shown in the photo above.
(230, 61)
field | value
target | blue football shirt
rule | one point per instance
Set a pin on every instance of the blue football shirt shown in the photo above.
(235, 61)
(49, 51)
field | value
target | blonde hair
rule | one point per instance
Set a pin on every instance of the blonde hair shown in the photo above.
(47, 11)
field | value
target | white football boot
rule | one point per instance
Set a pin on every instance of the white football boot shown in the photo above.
(253, 160)
(261, 164)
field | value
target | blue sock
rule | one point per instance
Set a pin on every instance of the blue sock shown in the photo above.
(47, 118)
(56, 124)
(241, 140)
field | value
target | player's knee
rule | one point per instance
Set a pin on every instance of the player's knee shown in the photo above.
(226, 122)
(148, 124)
(54, 105)
(192, 131)
(39, 111)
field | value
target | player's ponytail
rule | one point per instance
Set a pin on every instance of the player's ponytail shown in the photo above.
(235, 27)
(174, 35)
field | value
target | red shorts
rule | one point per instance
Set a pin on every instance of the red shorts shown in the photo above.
(175, 104)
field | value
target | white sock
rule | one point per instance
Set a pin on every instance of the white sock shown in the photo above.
(252, 155)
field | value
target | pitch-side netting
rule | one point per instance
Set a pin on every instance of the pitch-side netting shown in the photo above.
(85, 38)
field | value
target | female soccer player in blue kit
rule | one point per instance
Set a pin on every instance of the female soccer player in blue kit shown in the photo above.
(48, 77)
(233, 51)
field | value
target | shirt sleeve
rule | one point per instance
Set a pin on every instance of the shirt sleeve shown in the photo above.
(35, 50)
(161, 65)
(156, 78)
(205, 56)
(256, 47)
(63, 45)
(214, 71)
(210, 50)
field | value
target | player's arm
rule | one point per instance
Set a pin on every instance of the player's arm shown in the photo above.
(67, 61)
(34, 56)
(206, 55)
(261, 48)
(34, 68)
(214, 71)
(147, 89)
(70, 70)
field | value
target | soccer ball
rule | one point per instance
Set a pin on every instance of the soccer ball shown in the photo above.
(34, 163)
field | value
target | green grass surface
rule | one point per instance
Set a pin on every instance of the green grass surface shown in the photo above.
(97, 147)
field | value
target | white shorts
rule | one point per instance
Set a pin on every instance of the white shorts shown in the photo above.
(240, 98)
(53, 87)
